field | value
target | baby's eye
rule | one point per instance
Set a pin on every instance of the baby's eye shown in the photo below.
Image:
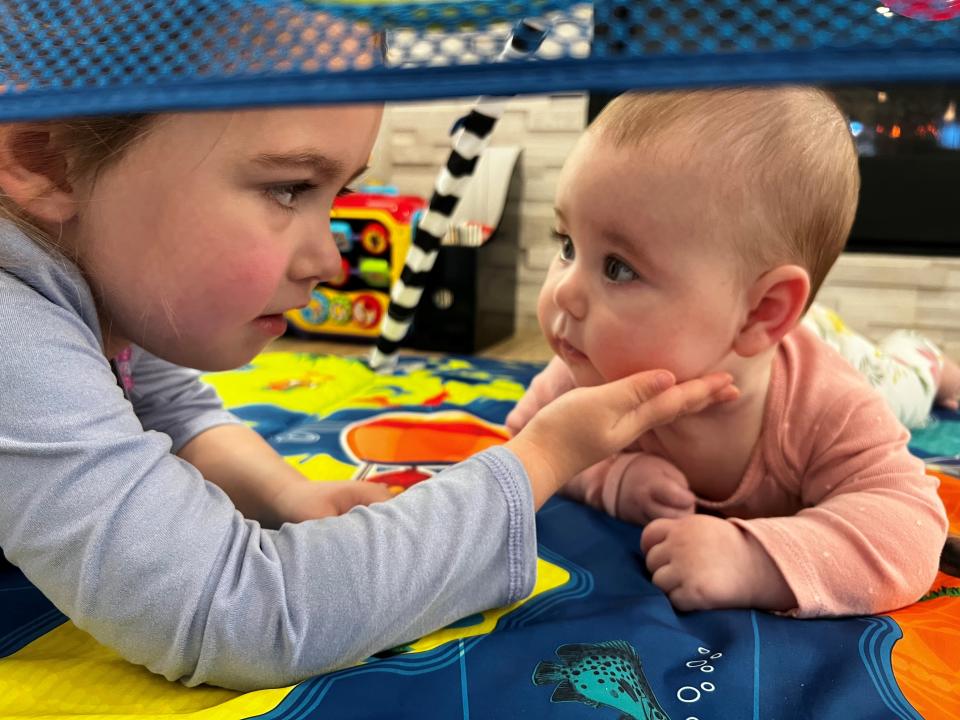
(344, 192)
(286, 195)
(567, 251)
(616, 270)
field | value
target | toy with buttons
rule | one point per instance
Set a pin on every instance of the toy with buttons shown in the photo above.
(373, 229)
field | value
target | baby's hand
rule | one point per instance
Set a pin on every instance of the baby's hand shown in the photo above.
(307, 500)
(703, 562)
(552, 382)
(652, 488)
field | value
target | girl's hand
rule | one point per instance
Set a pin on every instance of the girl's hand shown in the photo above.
(703, 562)
(586, 425)
(550, 383)
(308, 500)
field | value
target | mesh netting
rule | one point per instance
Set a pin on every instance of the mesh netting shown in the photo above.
(697, 28)
(69, 57)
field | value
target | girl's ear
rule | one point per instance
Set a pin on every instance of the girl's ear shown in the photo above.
(777, 300)
(33, 173)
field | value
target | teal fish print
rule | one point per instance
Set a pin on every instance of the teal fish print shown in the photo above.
(605, 673)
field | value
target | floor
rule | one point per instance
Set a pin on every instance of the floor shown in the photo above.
(525, 345)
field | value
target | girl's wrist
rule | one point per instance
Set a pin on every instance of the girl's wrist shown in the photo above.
(542, 475)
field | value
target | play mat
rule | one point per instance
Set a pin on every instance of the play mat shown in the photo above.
(593, 612)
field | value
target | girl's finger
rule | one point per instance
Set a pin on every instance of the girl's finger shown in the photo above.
(688, 397)
(366, 493)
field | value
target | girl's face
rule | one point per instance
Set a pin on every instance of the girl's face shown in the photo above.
(214, 224)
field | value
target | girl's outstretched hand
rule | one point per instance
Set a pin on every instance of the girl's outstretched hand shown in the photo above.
(307, 500)
(586, 425)
(549, 384)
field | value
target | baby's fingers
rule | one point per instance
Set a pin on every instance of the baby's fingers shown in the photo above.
(654, 534)
(672, 495)
(667, 578)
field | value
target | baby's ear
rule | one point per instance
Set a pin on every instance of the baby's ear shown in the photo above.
(777, 300)
(33, 172)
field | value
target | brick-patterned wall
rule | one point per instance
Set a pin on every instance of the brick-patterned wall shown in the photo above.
(876, 294)
(873, 293)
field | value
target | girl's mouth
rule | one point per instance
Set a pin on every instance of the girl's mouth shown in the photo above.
(272, 325)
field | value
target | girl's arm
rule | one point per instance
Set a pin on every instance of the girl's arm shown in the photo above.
(263, 486)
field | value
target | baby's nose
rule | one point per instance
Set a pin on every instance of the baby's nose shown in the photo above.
(571, 296)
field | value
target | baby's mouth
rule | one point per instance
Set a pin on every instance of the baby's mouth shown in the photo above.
(568, 352)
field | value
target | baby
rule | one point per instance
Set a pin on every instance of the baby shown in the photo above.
(695, 229)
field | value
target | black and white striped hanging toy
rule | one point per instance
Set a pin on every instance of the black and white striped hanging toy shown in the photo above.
(468, 141)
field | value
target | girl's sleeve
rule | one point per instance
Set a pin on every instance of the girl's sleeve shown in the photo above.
(173, 400)
(136, 548)
(869, 537)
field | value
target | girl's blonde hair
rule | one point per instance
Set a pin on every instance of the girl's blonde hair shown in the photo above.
(89, 145)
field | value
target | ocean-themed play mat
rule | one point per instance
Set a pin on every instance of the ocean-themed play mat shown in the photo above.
(595, 640)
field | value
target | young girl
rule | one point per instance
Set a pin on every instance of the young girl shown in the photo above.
(133, 246)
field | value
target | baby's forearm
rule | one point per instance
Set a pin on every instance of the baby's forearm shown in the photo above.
(766, 586)
(857, 553)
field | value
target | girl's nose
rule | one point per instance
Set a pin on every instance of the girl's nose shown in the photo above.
(317, 256)
(570, 293)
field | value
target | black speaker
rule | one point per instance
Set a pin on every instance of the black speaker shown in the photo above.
(469, 301)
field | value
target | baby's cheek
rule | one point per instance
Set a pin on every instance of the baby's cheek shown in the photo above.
(546, 310)
(620, 361)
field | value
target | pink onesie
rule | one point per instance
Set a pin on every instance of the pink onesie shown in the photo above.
(831, 491)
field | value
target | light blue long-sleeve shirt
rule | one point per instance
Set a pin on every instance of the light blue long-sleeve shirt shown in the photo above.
(135, 547)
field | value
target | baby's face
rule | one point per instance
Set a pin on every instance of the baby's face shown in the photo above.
(645, 276)
(204, 233)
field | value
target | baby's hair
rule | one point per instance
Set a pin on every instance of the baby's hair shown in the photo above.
(790, 151)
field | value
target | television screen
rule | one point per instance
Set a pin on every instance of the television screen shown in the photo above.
(908, 139)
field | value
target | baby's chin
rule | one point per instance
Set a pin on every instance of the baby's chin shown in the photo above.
(590, 376)
(585, 376)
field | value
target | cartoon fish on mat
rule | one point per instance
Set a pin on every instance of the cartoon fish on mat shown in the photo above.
(605, 673)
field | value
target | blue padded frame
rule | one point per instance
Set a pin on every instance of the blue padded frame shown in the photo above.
(833, 41)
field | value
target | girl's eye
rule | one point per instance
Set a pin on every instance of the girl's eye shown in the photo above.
(343, 192)
(286, 195)
(616, 270)
(567, 251)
